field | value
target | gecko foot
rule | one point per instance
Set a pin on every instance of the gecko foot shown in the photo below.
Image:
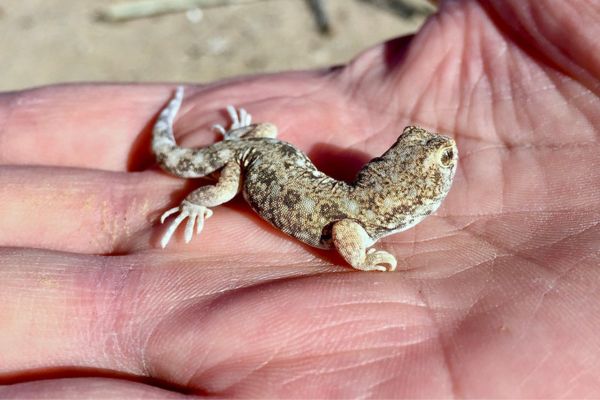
(376, 259)
(196, 215)
(240, 118)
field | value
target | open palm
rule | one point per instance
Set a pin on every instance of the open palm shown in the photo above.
(498, 293)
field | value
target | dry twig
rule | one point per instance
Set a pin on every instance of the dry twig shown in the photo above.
(150, 8)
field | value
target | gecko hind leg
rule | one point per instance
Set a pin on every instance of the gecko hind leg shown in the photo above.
(240, 118)
(241, 126)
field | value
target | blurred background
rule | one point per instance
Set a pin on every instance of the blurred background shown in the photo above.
(49, 41)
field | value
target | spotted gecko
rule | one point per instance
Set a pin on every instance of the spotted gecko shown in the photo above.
(390, 194)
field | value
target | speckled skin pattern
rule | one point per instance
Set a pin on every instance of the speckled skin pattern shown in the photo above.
(390, 194)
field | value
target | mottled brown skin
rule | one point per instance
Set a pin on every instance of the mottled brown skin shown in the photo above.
(390, 194)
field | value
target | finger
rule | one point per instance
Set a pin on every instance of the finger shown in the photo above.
(91, 126)
(109, 126)
(82, 387)
(129, 315)
(77, 210)
(104, 212)
(63, 310)
(95, 126)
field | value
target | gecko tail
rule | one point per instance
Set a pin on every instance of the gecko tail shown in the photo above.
(185, 162)
(162, 134)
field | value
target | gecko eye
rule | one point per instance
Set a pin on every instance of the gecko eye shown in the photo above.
(446, 156)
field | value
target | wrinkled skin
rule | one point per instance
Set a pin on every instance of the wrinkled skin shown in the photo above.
(500, 293)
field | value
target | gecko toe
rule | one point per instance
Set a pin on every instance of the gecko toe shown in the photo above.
(380, 260)
(196, 215)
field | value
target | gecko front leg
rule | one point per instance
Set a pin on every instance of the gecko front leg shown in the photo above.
(195, 206)
(351, 241)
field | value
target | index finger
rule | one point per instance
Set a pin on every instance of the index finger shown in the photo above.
(88, 126)
(107, 126)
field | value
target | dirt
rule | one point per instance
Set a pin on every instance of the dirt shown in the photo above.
(44, 43)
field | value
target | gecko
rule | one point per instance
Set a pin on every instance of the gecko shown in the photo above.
(390, 194)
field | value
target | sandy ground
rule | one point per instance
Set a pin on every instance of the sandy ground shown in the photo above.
(49, 41)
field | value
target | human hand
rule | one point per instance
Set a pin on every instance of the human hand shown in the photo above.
(499, 296)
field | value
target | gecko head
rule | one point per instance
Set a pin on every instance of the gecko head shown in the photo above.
(426, 161)
(412, 178)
